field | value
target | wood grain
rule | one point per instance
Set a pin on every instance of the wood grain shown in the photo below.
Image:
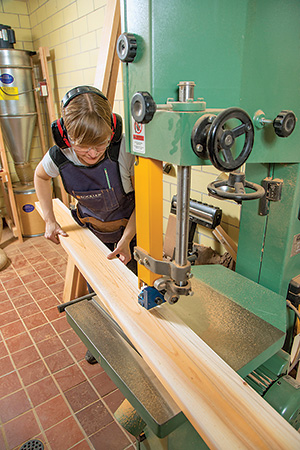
(222, 407)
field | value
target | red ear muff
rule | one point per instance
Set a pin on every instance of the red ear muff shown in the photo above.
(60, 134)
(116, 127)
(113, 125)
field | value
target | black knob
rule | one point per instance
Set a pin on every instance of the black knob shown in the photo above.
(126, 47)
(284, 124)
(199, 135)
(143, 107)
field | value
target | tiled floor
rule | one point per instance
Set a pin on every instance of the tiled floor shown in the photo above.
(47, 389)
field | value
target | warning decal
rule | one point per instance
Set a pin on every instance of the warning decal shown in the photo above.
(138, 138)
(296, 245)
(9, 93)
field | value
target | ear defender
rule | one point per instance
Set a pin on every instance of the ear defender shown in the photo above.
(116, 128)
(60, 134)
(58, 128)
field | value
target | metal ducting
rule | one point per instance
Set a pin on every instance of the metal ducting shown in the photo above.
(17, 108)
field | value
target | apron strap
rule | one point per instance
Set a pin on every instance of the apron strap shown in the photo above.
(114, 225)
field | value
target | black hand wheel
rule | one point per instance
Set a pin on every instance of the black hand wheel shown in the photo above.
(220, 140)
(234, 188)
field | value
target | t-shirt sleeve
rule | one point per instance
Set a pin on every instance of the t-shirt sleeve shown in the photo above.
(126, 164)
(49, 166)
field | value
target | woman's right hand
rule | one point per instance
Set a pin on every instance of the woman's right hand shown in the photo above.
(53, 230)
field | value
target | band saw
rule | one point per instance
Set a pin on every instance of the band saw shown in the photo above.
(245, 116)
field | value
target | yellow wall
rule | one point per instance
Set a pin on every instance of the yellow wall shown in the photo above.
(72, 30)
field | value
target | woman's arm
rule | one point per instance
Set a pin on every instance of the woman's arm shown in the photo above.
(42, 183)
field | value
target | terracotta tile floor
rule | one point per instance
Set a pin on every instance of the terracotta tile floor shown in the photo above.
(47, 390)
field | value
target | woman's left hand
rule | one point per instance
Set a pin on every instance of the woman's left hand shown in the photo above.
(122, 251)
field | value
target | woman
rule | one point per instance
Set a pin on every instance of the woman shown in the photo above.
(90, 157)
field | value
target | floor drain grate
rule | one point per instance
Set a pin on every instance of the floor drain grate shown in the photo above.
(33, 444)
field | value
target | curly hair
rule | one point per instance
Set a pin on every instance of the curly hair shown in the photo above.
(87, 119)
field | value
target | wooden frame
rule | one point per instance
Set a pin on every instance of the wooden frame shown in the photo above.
(222, 407)
(43, 54)
(9, 198)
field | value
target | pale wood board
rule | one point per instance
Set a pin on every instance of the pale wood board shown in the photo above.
(43, 55)
(222, 407)
(108, 62)
(229, 245)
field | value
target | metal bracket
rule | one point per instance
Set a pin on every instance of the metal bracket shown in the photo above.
(179, 274)
(273, 189)
(175, 281)
(172, 290)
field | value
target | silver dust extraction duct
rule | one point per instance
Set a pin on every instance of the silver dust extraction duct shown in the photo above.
(17, 106)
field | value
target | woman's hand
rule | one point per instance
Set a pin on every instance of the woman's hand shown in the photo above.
(42, 184)
(53, 230)
(122, 251)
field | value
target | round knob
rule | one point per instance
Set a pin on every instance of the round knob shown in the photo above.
(199, 134)
(126, 47)
(284, 124)
(143, 107)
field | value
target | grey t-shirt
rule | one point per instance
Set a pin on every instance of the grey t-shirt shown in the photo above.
(126, 164)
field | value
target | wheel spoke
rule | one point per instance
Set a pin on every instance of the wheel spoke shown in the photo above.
(227, 155)
(238, 131)
(239, 188)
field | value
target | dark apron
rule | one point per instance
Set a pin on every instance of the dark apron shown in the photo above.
(99, 192)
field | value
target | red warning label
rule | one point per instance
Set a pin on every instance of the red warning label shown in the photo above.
(138, 138)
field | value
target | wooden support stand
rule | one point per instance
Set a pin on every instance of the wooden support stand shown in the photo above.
(12, 217)
(222, 407)
(75, 284)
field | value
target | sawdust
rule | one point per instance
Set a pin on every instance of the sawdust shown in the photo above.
(206, 255)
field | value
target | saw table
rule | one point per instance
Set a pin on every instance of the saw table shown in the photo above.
(244, 326)
(215, 401)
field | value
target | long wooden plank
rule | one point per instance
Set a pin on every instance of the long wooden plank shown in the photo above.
(108, 62)
(226, 241)
(43, 55)
(223, 408)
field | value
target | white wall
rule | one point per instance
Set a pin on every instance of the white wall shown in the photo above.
(72, 30)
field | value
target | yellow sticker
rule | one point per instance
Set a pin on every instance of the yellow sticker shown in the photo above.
(9, 93)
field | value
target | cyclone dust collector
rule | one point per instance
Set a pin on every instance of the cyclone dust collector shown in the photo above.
(18, 117)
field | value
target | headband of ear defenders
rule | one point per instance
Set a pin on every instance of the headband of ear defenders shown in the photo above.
(59, 131)
(81, 90)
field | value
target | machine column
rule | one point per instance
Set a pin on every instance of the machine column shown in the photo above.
(182, 217)
(149, 212)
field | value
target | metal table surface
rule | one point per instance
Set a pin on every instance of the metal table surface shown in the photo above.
(241, 321)
(103, 337)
